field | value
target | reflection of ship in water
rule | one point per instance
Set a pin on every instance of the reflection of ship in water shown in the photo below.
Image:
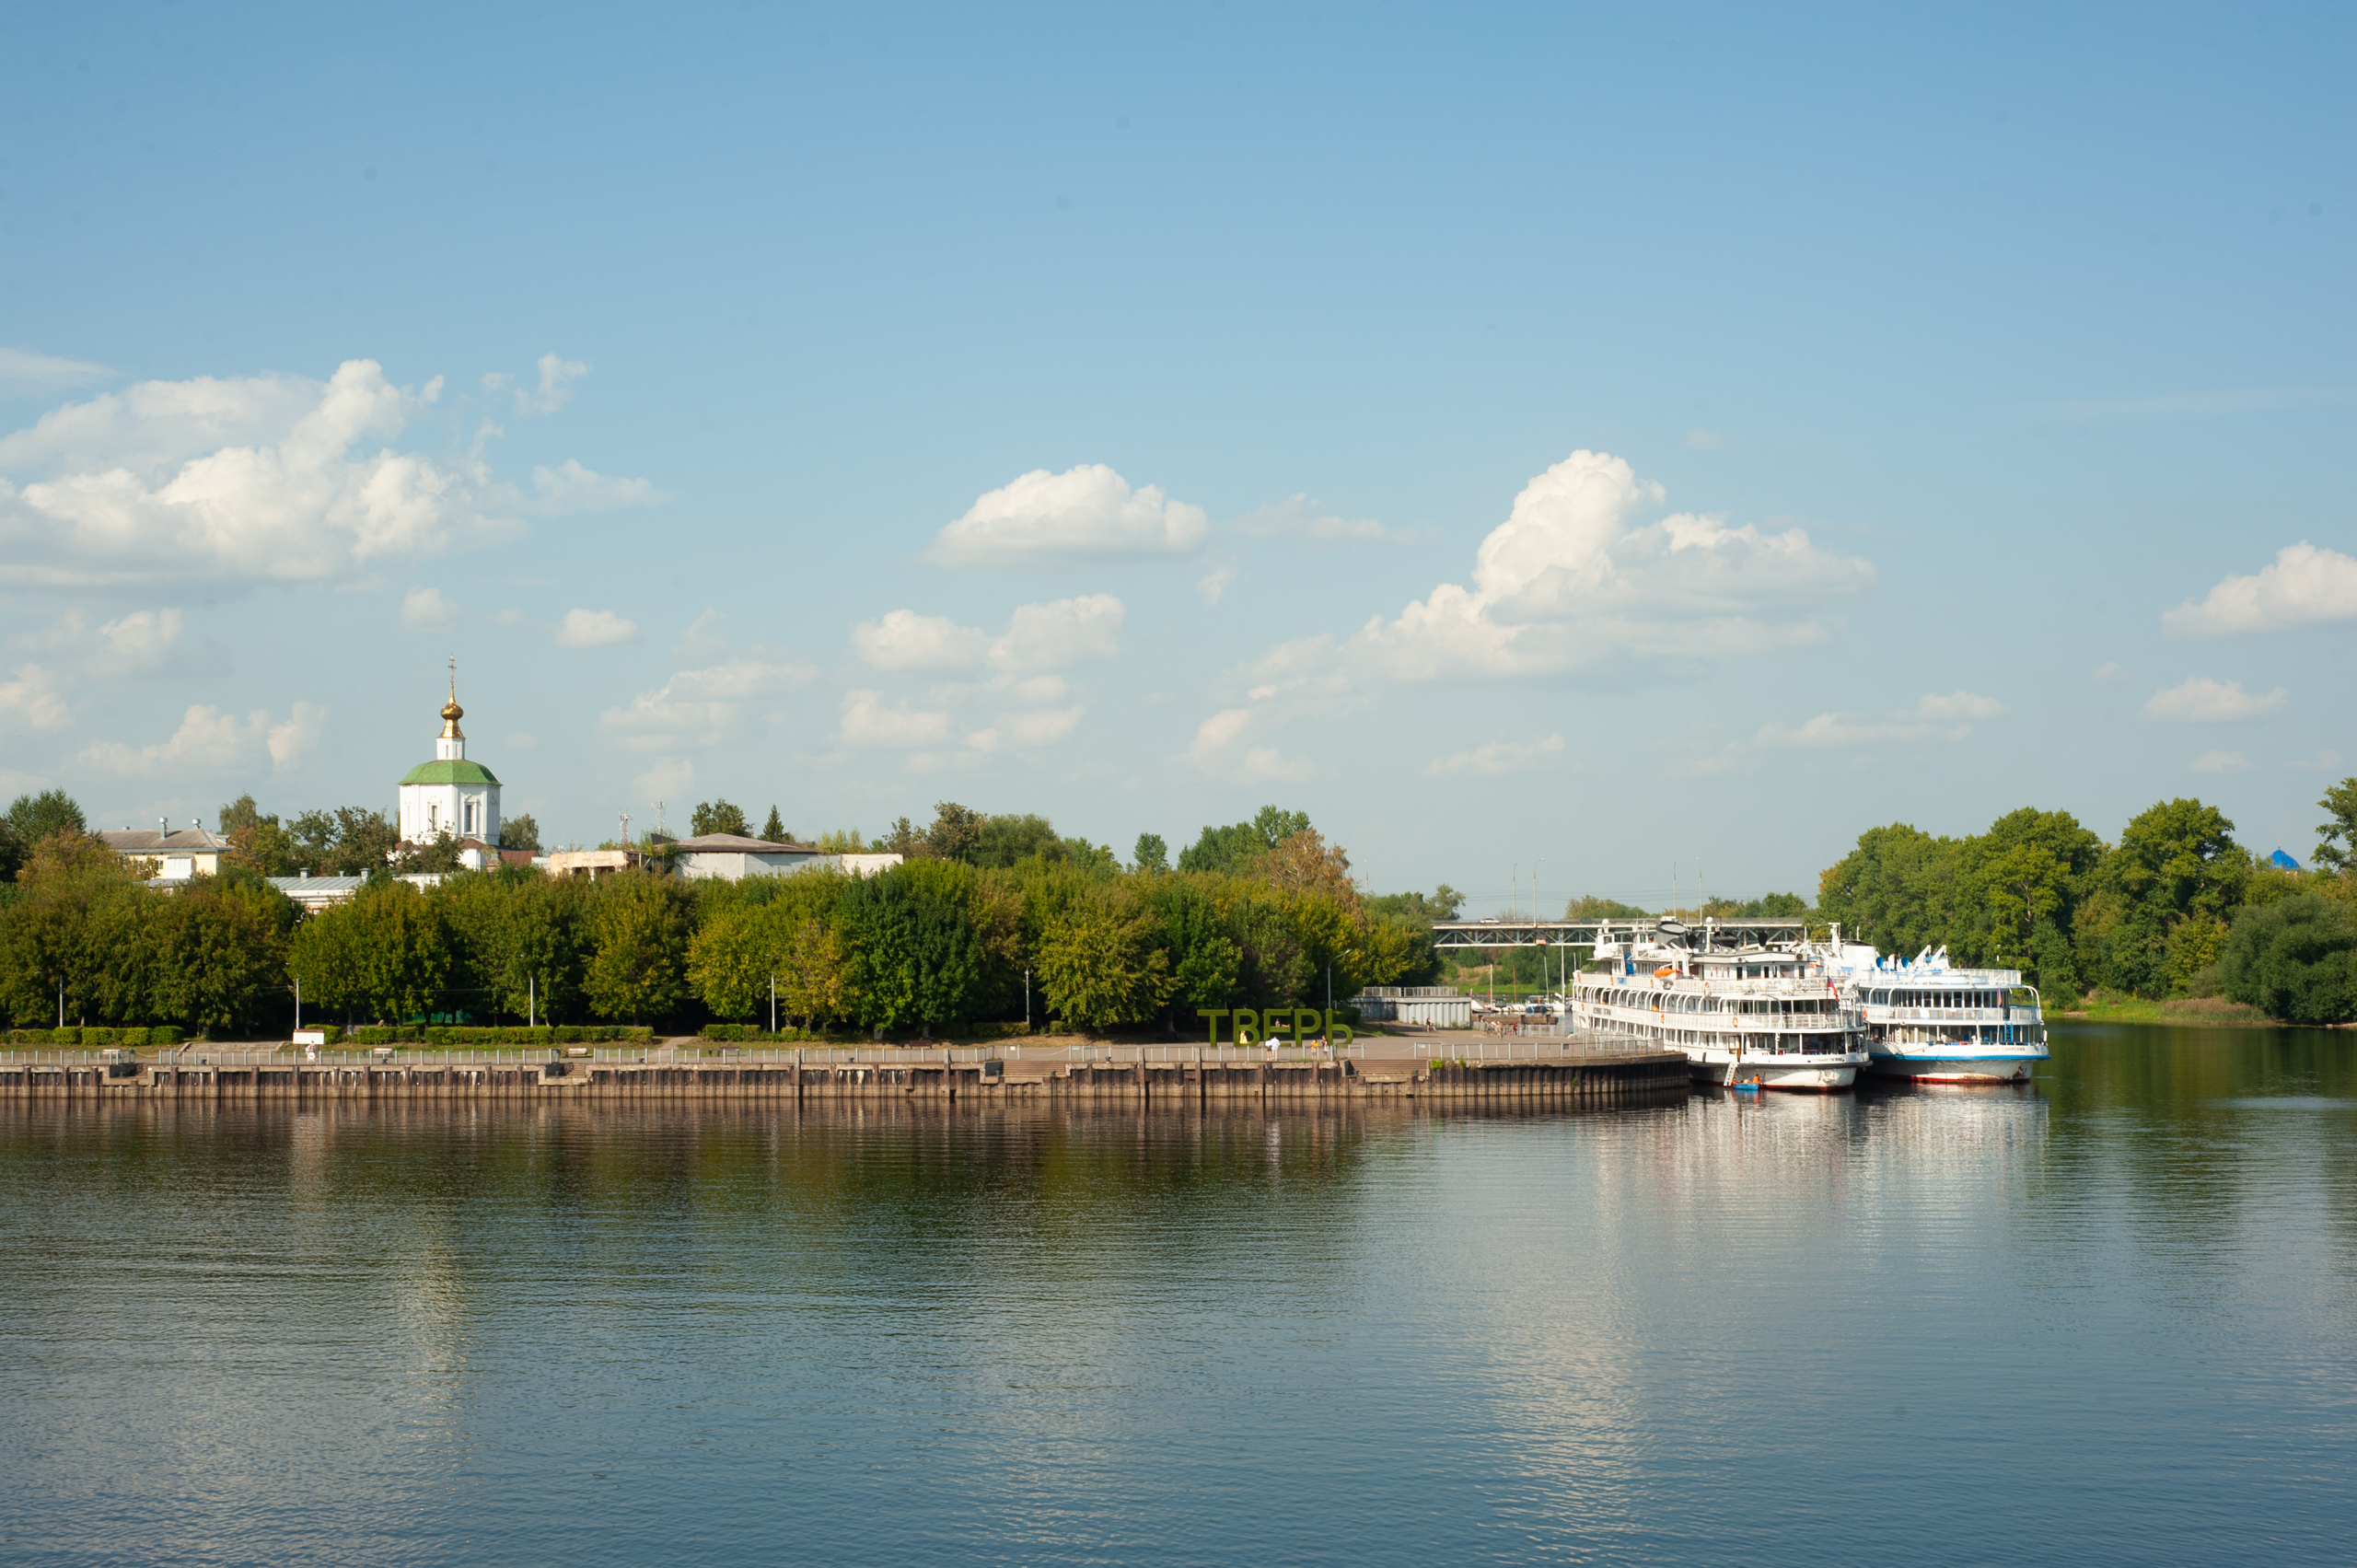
(1928, 1021)
(1740, 1154)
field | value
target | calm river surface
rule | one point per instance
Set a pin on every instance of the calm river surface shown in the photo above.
(2111, 1318)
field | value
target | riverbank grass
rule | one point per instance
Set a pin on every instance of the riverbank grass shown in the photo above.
(2110, 1007)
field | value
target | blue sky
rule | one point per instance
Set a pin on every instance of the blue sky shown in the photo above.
(1508, 434)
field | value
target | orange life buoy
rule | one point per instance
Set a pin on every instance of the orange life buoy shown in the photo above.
(1664, 972)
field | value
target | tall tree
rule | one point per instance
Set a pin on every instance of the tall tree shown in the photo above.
(1204, 958)
(2018, 889)
(773, 830)
(388, 954)
(1101, 962)
(1303, 862)
(349, 841)
(2337, 839)
(915, 954)
(2157, 913)
(1152, 857)
(954, 832)
(519, 832)
(36, 817)
(1004, 841)
(53, 934)
(1235, 850)
(257, 842)
(719, 817)
(638, 928)
(1896, 889)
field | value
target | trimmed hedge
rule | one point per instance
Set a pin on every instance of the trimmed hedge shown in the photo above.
(163, 1034)
(511, 1034)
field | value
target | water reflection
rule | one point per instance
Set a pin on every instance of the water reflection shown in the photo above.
(2108, 1315)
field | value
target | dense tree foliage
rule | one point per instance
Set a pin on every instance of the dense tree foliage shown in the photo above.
(1234, 851)
(519, 832)
(1588, 906)
(29, 819)
(719, 817)
(2156, 914)
(2296, 959)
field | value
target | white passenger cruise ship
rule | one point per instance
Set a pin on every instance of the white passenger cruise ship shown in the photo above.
(1762, 1016)
(1927, 1021)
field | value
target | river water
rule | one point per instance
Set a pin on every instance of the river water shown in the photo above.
(2110, 1318)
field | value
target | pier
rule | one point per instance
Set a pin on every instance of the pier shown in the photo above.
(1583, 1070)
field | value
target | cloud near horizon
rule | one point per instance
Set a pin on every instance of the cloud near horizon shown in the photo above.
(1934, 719)
(210, 741)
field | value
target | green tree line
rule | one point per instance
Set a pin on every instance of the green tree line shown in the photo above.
(2175, 908)
(987, 910)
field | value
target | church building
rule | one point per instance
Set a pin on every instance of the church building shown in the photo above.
(450, 795)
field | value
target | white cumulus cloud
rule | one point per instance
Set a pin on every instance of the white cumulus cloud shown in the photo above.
(1060, 633)
(2305, 585)
(1041, 727)
(257, 479)
(2204, 700)
(1084, 513)
(2221, 762)
(866, 722)
(669, 779)
(557, 376)
(1572, 575)
(701, 707)
(424, 610)
(1039, 636)
(32, 696)
(904, 640)
(1933, 720)
(1497, 757)
(290, 742)
(272, 478)
(595, 628)
(210, 741)
(142, 641)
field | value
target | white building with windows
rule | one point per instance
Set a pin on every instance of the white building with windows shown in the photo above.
(450, 795)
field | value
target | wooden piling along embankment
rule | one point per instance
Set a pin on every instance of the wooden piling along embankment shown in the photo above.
(1627, 1080)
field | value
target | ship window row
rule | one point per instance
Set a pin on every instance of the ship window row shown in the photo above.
(1910, 998)
(1694, 1002)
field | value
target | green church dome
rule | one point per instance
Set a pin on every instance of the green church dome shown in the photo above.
(458, 773)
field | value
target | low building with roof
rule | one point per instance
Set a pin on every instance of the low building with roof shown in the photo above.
(178, 855)
(733, 857)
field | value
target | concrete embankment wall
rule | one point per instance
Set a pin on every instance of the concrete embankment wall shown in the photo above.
(1638, 1079)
